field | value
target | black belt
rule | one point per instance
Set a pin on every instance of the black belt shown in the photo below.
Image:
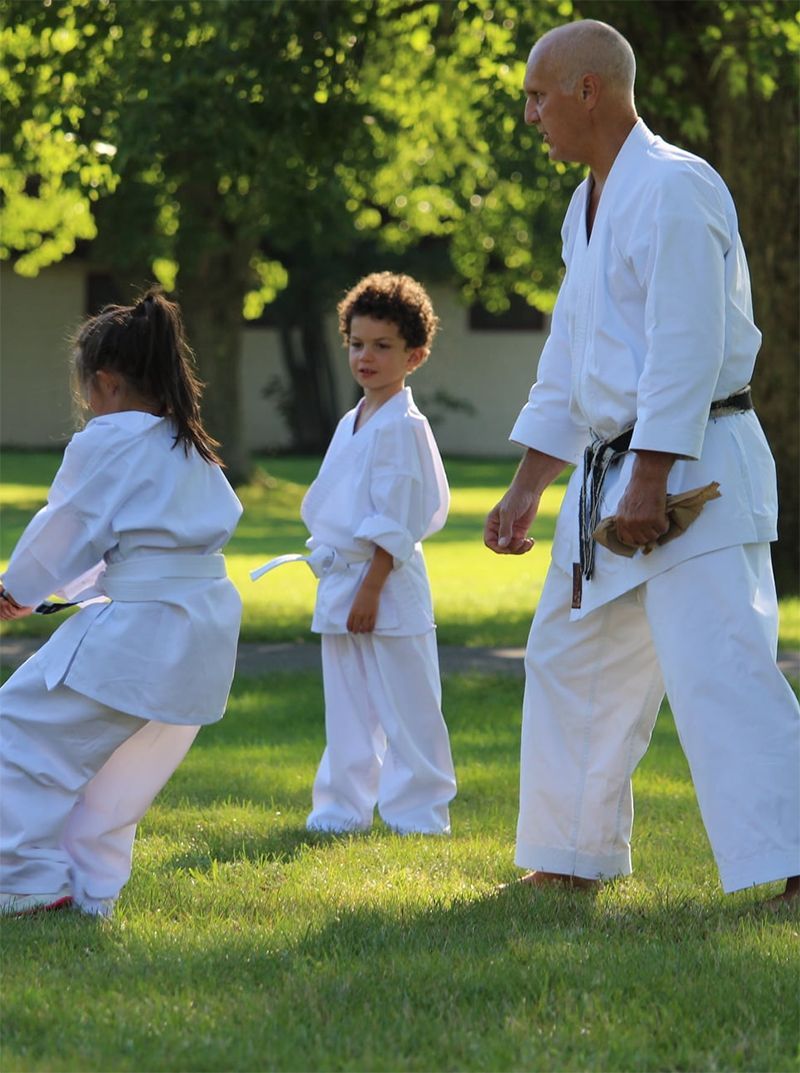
(600, 455)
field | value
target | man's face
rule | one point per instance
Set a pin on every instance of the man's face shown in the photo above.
(557, 115)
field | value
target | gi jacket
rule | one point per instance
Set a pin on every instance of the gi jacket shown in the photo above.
(127, 504)
(385, 485)
(653, 322)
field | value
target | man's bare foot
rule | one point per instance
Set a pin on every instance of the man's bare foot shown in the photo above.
(553, 879)
(789, 896)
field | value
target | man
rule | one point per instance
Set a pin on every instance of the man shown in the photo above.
(648, 366)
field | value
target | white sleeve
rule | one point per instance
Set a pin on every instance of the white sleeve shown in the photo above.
(545, 423)
(408, 489)
(69, 536)
(679, 259)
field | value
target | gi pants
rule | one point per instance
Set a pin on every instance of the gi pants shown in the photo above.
(76, 778)
(707, 631)
(386, 738)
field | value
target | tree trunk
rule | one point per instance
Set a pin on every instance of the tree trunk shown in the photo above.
(312, 407)
(765, 190)
(212, 282)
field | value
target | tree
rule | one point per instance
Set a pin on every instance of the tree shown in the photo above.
(720, 77)
(190, 128)
(272, 151)
(236, 169)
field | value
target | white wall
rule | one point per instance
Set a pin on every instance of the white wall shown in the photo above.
(36, 319)
(490, 370)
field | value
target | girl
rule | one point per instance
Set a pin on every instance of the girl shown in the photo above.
(137, 513)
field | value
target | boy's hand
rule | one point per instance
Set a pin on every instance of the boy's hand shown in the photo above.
(10, 609)
(364, 612)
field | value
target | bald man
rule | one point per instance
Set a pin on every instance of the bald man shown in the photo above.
(643, 384)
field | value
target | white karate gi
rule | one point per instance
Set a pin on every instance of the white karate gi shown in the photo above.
(387, 741)
(132, 517)
(654, 322)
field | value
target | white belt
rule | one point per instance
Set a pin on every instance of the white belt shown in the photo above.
(322, 561)
(149, 577)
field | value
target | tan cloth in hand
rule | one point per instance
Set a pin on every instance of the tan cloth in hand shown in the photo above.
(682, 509)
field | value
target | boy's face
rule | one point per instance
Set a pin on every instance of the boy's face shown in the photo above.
(380, 358)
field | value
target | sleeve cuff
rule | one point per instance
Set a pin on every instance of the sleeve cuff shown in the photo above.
(561, 439)
(686, 442)
(387, 534)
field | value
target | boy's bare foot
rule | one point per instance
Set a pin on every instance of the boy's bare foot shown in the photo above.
(789, 896)
(551, 879)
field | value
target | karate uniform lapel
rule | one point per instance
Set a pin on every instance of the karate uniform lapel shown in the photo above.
(589, 264)
(346, 455)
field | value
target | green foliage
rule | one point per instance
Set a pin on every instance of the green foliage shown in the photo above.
(272, 151)
(284, 127)
(696, 58)
(50, 172)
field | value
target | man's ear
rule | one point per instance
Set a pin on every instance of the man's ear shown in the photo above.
(590, 88)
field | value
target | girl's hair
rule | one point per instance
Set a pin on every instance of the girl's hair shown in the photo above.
(146, 344)
(393, 297)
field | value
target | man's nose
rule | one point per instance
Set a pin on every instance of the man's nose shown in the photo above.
(531, 112)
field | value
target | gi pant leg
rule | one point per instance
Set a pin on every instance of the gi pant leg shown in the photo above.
(417, 780)
(51, 744)
(99, 832)
(738, 720)
(387, 741)
(592, 693)
(346, 785)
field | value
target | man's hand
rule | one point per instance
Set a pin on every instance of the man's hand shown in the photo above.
(506, 529)
(10, 609)
(642, 512)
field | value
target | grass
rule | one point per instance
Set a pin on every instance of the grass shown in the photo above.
(242, 942)
(480, 598)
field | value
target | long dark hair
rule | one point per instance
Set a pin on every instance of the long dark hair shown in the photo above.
(146, 344)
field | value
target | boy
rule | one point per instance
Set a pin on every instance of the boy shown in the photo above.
(380, 491)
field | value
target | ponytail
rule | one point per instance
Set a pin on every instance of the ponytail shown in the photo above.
(146, 343)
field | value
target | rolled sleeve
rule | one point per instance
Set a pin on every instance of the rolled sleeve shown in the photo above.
(545, 422)
(388, 534)
(398, 520)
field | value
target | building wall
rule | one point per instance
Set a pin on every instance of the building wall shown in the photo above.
(489, 371)
(36, 319)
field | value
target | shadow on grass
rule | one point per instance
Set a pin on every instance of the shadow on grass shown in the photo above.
(510, 981)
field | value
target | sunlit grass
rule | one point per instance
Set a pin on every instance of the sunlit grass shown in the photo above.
(790, 622)
(243, 942)
(480, 598)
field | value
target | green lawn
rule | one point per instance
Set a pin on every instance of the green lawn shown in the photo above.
(480, 598)
(244, 943)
